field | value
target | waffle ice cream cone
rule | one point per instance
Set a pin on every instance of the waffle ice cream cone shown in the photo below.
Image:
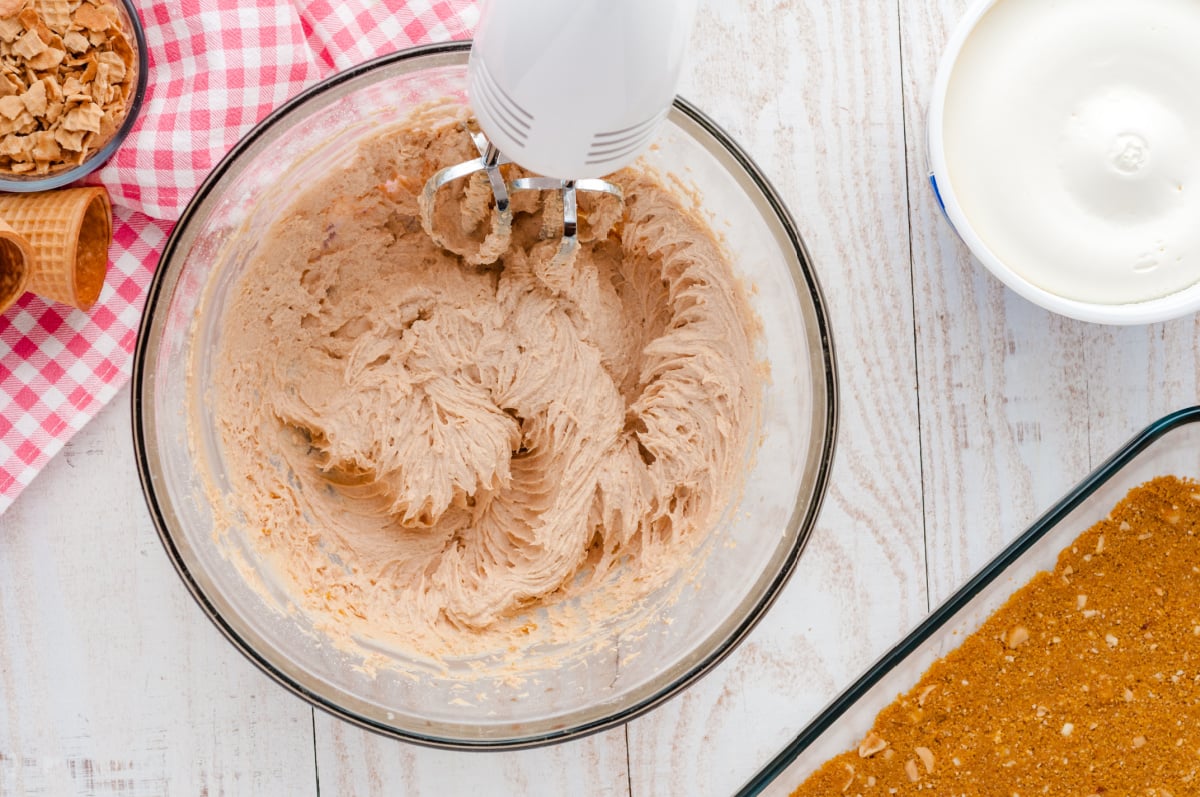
(69, 231)
(16, 261)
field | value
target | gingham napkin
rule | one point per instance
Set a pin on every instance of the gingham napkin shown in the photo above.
(216, 68)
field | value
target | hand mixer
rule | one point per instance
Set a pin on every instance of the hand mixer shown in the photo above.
(570, 90)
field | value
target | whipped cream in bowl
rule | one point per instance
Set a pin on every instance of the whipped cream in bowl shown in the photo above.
(1061, 146)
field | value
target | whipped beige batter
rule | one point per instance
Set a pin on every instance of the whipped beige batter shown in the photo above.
(431, 453)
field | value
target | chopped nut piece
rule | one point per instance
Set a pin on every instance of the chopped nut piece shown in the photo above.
(1111, 640)
(850, 778)
(1067, 729)
(871, 744)
(1016, 636)
(926, 756)
(1080, 601)
(1139, 741)
(910, 769)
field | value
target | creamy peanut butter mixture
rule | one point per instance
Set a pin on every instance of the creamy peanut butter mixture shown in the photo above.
(431, 453)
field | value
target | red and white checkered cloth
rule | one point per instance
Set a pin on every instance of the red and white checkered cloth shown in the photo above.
(216, 68)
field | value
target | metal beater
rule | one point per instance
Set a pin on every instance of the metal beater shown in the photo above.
(569, 89)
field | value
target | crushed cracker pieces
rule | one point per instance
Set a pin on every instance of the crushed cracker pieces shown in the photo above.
(55, 13)
(90, 18)
(67, 76)
(35, 99)
(11, 106)
(11, 145)
(69, 139)
(50, 58)
(29, 46)
(1090, 710)
(76, 42)
(85, 116)
(10, 29)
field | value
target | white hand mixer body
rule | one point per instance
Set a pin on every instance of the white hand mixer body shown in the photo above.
(576, 88)
(568, 89)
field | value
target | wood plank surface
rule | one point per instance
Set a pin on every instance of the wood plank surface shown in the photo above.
(112, 680)
(965, 412)
(1003, 388)
(814, 96)
(354, 762)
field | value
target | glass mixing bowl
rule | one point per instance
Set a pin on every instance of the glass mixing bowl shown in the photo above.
(697, 619)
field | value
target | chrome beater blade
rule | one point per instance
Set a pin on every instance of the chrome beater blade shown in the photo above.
(568, 190)
(497, 239)
(489, 162)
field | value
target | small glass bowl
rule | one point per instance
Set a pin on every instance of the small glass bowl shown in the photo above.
(17, 183)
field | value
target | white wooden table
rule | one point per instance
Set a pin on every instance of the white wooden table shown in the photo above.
(965, 412)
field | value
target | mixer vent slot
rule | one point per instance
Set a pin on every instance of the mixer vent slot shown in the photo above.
(507, 114)
(612, 146)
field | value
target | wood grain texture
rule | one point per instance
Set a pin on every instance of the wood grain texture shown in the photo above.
(1003, 383)
(355, 763)
(112, 680)
(1136, 375)
(812, 91)
(965, 412)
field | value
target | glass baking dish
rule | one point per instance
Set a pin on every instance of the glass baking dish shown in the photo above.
(1170, 446)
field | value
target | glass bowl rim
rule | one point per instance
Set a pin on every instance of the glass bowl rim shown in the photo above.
(147, 340)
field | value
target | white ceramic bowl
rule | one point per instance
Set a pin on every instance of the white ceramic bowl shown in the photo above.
(758, 541)
(1175, 305)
